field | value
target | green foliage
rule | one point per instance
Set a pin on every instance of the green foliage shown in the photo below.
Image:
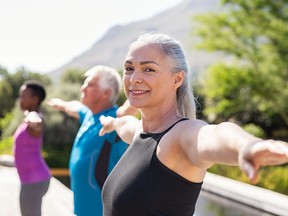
(255, 130)
(57, 157)
(60, 129)
(251, 83)
(232, 172)
(65, 91)
(14, 121)
(10, 84)
(227, 90)
(122, 98)
(3, 73)
(271, 178)
(6, 145)
(19, 77)
(73, 76)
(6, 93)
(275, 179)
(4, 122)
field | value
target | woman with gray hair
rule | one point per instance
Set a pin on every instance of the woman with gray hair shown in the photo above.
(170, 150)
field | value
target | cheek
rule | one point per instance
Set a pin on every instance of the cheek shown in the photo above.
(126, 81)
(22, 104)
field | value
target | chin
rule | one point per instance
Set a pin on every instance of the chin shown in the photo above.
(136, 104)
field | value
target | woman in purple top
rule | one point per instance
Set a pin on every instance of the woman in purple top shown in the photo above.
(33, 172)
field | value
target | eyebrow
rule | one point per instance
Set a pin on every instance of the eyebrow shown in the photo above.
(142, 63)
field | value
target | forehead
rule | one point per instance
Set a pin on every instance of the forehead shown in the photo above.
(91, 79)
(25, 90)
(146, 52)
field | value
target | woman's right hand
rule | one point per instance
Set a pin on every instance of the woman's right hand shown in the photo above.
(107, 124)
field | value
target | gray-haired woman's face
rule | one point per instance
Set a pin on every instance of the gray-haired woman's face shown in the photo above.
(147, 77)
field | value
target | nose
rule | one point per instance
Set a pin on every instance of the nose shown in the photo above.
(83, 87)
(136, 77)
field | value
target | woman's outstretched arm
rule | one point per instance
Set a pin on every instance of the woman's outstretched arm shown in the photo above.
(125, 126)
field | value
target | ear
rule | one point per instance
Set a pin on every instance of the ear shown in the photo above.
(107, 93)
(178, 79)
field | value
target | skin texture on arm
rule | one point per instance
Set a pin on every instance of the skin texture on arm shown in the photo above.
(69, 107)
(228, 143)
(125, 126)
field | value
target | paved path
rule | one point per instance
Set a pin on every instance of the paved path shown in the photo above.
(57, 202)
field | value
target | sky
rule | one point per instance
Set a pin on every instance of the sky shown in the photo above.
(44, 35)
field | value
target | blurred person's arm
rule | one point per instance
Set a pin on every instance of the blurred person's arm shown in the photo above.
(127, 109)
(125, 126)
(69, 107)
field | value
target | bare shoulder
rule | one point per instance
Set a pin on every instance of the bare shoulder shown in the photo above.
(181, 145)
(189, 127)
(185, 132)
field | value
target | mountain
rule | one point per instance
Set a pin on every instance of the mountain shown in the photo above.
(111, 49)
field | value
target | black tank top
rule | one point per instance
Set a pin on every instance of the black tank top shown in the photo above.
(140, 185)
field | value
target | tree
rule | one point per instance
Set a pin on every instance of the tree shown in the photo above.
(6, 93)
(10, 84)
(251, 84)
(73, 76)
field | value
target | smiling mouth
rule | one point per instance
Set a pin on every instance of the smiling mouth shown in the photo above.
(137, 92)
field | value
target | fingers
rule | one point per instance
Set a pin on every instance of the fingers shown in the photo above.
(101, 132)
(106, 124)
(276, 147)
(106, 120)
(250, 171)
(270, 152)
(247, 163)
(53, 102)
(33, 117)
(102, 119)
(262, 153)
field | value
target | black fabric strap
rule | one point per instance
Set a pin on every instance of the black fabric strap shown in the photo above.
(101, 167)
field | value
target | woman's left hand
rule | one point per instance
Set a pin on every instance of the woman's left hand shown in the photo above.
(33, 119)
(262, 153)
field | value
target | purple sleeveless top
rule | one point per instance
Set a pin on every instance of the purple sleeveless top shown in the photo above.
(30, 165)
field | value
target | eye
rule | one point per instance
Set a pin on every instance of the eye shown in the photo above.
(128, 70)
(149, 70)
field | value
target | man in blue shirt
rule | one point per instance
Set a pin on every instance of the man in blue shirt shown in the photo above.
(93, 157)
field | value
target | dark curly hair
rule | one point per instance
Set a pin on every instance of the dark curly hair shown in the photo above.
(37, 89)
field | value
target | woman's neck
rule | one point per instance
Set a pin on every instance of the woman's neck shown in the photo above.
(153, 122)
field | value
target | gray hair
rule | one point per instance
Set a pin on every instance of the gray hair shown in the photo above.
(109, 78)
(173, 49)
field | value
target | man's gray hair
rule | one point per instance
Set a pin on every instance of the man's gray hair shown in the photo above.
(109, 78)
